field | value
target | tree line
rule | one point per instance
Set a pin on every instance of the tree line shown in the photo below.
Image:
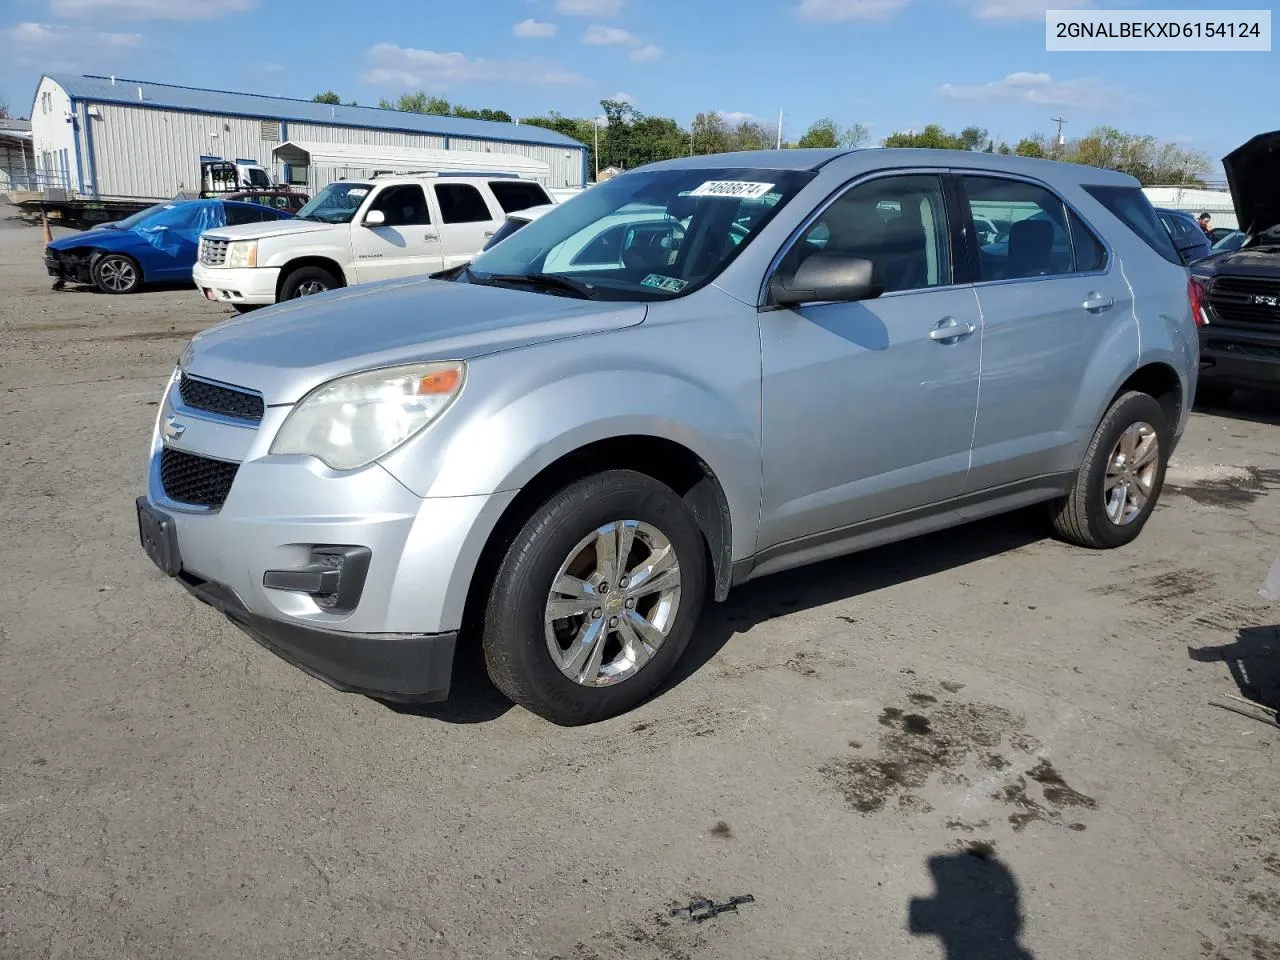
(628, 138)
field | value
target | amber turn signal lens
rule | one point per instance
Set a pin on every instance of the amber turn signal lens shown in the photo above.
(443, 381)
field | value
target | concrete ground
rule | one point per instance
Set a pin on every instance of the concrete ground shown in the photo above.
(980, 745)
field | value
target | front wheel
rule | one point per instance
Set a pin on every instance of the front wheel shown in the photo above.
(306, 282)
(115, 273)
(596, 598)
(1120, 478)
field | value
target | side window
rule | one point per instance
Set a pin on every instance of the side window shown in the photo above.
(239, 215)
(898, 223)
(1089, 252)
(461, 203)
(513, 195)
(1131, 206)
(404, 205)
(1035, 240)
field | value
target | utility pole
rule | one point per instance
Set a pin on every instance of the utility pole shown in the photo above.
(595, 124)
(1059, 142)
(779, 129)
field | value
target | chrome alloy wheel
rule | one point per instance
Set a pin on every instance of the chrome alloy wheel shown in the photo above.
(308, 288)
(1131, 473)
(117, 274)
(612, 603)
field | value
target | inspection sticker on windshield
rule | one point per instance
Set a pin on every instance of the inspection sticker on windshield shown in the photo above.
(358, 192)
(739, 189)
(667, 284)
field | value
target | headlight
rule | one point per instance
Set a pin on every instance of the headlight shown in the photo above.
(353, 420)
(242, 253)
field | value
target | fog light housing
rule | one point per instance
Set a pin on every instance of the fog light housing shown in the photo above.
(334, 578)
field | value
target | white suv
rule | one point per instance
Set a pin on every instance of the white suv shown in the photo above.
(358, 231)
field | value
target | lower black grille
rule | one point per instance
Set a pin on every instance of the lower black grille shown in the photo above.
(200, 481)
(1244, 349)
(203, 395)
(1245, 300)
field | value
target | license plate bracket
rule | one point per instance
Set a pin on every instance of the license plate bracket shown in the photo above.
(159, 538)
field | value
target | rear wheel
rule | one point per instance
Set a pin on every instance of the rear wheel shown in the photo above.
(307, 281)
(1120, 478)
(116, 273)
(596, 598)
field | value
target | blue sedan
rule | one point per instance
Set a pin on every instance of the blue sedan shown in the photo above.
(156, 245)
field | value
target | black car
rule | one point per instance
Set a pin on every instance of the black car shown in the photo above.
(1188, 236)
(1239, 313)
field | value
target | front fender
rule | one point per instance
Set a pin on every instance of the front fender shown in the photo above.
(327, 251)
(521, 411)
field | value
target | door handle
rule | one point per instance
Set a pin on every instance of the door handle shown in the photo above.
(488, 234)
(430, 236)
(949, 330)
(1096, 302)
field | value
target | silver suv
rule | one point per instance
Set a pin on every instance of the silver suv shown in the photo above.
(701, 372)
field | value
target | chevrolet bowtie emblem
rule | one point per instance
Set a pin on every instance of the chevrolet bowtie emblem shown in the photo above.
(171, 429)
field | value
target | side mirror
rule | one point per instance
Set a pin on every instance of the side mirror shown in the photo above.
(825, 277)
(375, 218)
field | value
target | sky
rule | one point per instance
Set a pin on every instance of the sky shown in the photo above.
(889, 64)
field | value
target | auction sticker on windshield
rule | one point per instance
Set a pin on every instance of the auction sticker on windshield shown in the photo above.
(358, 192)
(667, 284)
(739, 189)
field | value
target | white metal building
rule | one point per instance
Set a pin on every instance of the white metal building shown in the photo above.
(16, 160)
(315, 165)
(107, 137)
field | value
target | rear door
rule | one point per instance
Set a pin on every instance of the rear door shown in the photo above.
(466, 221)
(1051, 297)
(406, 243)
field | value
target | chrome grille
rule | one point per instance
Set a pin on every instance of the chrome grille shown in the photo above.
(213, 251)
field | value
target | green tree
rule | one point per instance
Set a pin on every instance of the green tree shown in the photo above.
(710, 133)
(328, 97)
(1032, 146)
(821, 133)
(855, 136)
(419, 102)
(932, 137)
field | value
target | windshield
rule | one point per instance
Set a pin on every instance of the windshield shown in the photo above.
(128, 223)
(643, 236)
(336, 203)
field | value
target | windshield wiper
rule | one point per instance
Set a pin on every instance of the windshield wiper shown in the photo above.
(548, 281)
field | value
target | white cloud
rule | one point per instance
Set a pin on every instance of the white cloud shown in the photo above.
(624, 97)
(829, 10)
(598, 36)
(589, 8)
(1042, 90)
(532, 29)
(1022, 9)
(47, 36)
(649, 53)
(436, 72)
(98, 10)
(735, 117)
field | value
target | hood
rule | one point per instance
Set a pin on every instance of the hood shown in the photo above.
(1253, 174)
(1249, 262)
(104, 237)
(286, 350)
(270, 228)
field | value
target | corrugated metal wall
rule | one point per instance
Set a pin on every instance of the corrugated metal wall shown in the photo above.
(149, 152)
(154, 153)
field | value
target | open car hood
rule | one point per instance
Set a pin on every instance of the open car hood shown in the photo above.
(1253, 174)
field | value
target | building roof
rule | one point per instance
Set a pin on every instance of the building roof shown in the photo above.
(162, 95)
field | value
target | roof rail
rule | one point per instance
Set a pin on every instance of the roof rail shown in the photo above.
(444, 173)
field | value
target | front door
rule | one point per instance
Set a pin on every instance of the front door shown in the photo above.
(1051, 300)
(868, 407)
(406, 243)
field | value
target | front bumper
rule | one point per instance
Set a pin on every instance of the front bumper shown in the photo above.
(252, 286)
(1235, 358)
(77, 267)
(403, 668)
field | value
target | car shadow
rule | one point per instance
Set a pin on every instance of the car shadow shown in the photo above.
(74, 286)
(976, 909)
(1253, 406)
(846, 577)
(1253, 661)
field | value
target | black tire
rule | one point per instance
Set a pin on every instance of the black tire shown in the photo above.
(303, 281)
(1214, 395)
(115, 273)
(1081, 516)
(516, 651)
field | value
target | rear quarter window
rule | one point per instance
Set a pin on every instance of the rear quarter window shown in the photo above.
(513, 195)
(1131, 206)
